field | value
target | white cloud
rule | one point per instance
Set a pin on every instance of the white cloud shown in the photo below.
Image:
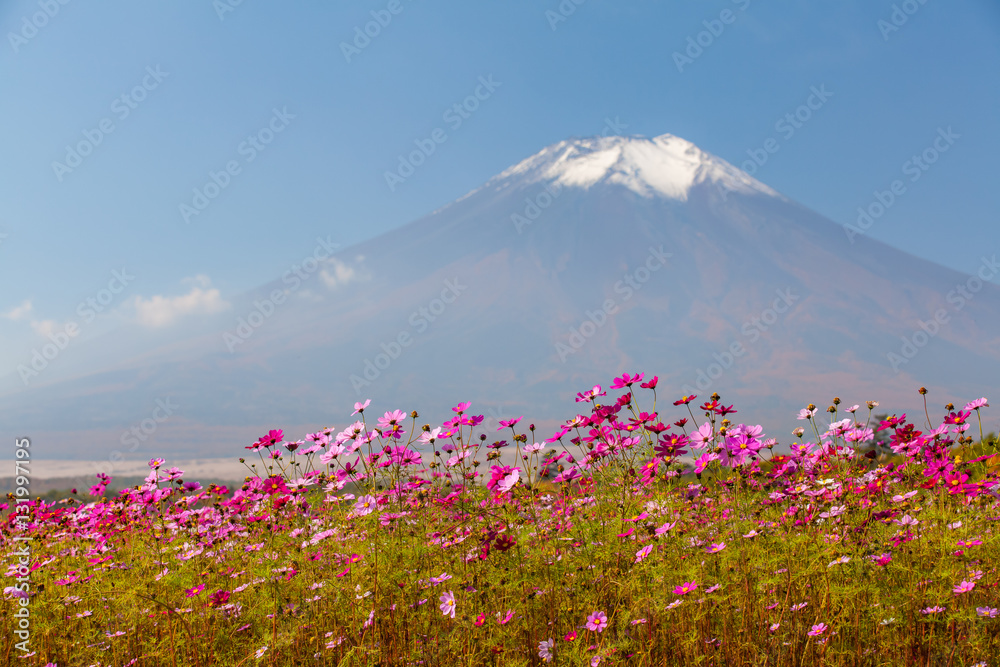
(44, 327)
(338, 274)
(160, 311)
(19, 312)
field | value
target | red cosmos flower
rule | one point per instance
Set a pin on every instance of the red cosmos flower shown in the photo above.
(891, 422)
(657, 428)
(672, 445)
(723, 411)
(504, 542)
(651, 384)
(685, 400)
(218, 598)
(710, 406)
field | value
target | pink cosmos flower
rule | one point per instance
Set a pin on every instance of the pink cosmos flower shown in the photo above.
(665, 527)
(685, 588)
(586, 396)
(817, 630)
(510, 481)
(626, 380)
(448, 604)
(364, 506)
(360, 407)
(964, 587)
(597, 622)
(931, 610)
(641, 554)
(505, 423)
(716, 548)
(987, 612)
(976, 404)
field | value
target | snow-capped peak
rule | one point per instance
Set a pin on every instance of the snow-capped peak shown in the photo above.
(666, 166)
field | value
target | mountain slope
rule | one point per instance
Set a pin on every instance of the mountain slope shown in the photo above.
(591, 258)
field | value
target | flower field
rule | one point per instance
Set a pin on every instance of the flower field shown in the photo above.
(636, 534)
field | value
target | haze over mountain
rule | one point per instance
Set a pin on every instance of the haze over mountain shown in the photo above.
(588, 259)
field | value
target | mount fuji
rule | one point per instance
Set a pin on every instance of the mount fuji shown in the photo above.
(591, 258)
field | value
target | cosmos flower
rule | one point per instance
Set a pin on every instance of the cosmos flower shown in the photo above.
(641, 554)
(964, 587)
(685, 588)
(364, 506)
(817, 630)
(545, 649)
(597, 622)
(448, 604)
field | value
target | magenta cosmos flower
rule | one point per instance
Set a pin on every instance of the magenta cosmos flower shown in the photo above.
(685, 588)
(597, 621)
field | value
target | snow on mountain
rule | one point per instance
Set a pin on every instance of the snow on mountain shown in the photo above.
(665, 165)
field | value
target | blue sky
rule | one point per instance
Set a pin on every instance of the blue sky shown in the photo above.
(222, 75)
